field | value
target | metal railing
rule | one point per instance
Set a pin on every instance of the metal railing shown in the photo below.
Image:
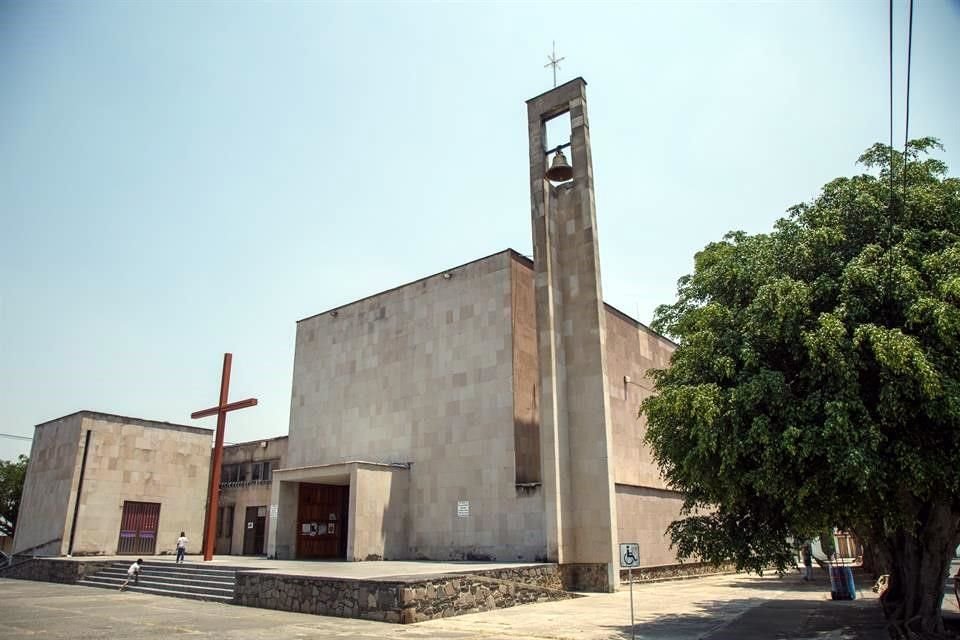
(243, 483)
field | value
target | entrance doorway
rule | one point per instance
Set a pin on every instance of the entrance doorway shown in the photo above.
(253, 531)
(138, 528)
(322, 521)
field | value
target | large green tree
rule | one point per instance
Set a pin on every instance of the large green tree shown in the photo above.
(12, 475)
(817, 383)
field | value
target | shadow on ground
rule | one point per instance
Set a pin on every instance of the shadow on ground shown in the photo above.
(806, 615)
(712, 615)
(759, 619)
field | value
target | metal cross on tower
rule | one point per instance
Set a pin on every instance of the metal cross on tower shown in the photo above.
(213, 497)
(554, 62)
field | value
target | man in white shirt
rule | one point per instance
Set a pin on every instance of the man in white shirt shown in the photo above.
(133, 573)
(181, 546)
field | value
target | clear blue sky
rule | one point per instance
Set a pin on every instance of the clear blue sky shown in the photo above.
(181, 179)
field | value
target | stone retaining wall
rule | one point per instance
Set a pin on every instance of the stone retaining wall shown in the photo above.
(584, 577)
(547, 575)
(672, 571)
(387, 600)
(61, 570)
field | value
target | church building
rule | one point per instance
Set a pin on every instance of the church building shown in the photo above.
(488, 411)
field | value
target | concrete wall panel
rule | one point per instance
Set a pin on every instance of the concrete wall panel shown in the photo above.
(423, 374)
(643, 515)
(46, 507)
(128, 461)
(632, 350)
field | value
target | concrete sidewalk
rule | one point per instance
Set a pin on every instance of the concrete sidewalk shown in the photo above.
(730, 607)
(733, 607)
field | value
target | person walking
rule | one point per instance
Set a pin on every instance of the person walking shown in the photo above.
(807, 553)
(133, 573)
(181, 546)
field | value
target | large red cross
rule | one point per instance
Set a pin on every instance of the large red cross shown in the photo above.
(213, 497)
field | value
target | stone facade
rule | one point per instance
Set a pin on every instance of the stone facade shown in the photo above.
(576, 431)
(488, 411)
(49, 489)
(546, 575)
(643, 515)
(389, 600)
(645, 505)
(378, 513)
(422, 375)
(675, 571)
(61, 570)
(586, 576)
(122, 460)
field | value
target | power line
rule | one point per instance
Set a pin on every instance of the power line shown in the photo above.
(906, 126)
(15, 437)
(891, 104)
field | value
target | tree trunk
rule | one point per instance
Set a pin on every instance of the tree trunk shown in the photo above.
(920, 562)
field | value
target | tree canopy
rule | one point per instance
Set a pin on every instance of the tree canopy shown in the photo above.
(816, 382)
(12, 475)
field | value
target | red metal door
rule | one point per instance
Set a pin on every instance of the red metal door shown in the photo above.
(322, 521)
(138, 528)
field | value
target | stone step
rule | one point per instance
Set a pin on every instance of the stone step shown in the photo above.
(182, 569)
(177, 569)
(116, 581)
(142, 588)
(193, 581)
(200, 581)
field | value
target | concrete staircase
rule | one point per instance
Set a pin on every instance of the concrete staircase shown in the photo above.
(185, 580)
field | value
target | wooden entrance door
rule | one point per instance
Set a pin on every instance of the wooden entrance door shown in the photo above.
(322, 521)
(254, 527)
(138, 528)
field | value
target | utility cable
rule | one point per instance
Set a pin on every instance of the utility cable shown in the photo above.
(15, 437)
(890, 50)
(906, 125)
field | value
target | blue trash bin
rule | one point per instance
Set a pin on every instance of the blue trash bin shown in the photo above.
(841, 584)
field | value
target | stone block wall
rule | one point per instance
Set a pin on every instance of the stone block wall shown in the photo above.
(46, 505)
(52, 570)
(548, 576)
(141, 461)
(587, 577)
(379, 513)
(643, 515)
(632, 350)
(127, 459)
(673, 571)
(423, 374)
(396, 601)
(457, 595)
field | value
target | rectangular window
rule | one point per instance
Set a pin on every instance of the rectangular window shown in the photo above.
(231, 473)
(262, 471)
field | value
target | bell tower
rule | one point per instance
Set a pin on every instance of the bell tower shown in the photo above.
(576, 435)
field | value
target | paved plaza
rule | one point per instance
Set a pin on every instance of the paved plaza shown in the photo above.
(727, 607)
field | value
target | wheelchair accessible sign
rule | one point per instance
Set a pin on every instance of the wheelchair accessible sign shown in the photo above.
(629, 555)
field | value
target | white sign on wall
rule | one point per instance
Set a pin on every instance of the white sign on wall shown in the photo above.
(273, 511)
(463, 508)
